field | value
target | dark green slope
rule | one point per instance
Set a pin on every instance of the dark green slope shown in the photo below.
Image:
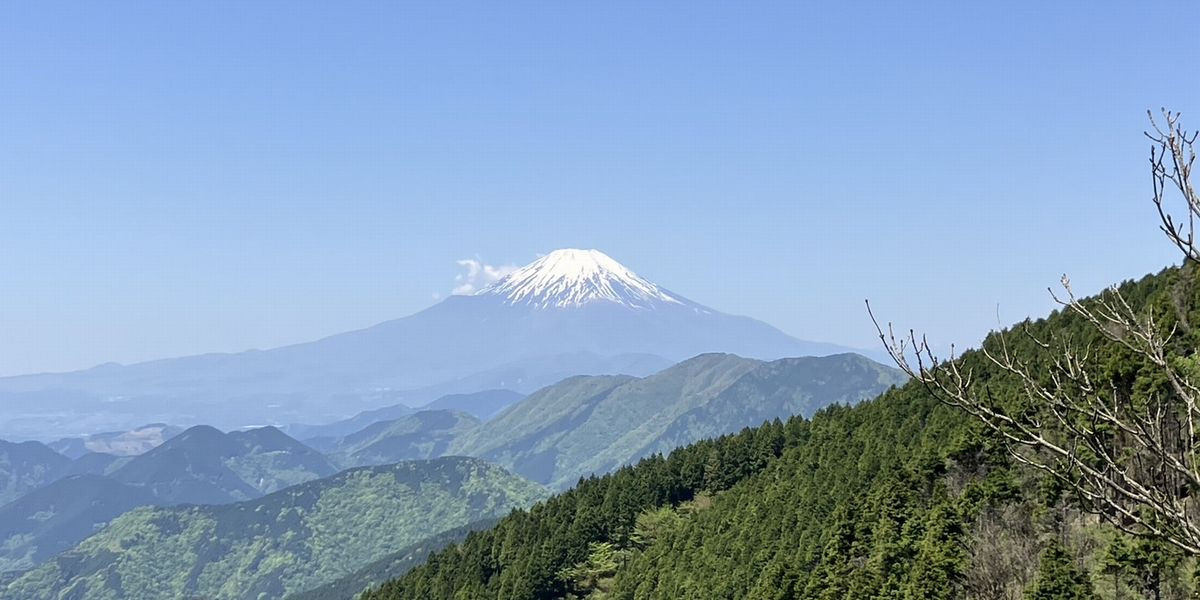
(587, 425)
(285, 542)
(54, 518)
(899, 497)
(842, 450)
(26, 466)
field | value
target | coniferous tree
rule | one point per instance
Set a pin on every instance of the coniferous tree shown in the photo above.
(1058, 577)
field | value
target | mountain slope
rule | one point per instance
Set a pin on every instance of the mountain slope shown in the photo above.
(54, 518)
(426, 434)
(391, 566)
(26, 466)
(285, 542)
(199, 466)
(525, 374)
(589, 425)
(205, 466)
(570, 302)
(898, 497)
(482, 405)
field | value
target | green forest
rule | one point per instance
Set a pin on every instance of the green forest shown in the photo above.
(899, 497)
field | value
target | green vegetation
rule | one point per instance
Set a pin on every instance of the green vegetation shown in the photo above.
(899, 497)
(53, 518)
(423, 435)
(586, 425)
(285, 542)
(391, 566)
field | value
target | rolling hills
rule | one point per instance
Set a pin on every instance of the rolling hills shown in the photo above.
(74, 499)
(425, 434)
(586, 425)
(205, 466)
(55, 517)
(285, 542)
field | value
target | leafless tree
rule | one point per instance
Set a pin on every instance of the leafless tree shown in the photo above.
(1130, 458)
(1171, 158)
(1004, 554)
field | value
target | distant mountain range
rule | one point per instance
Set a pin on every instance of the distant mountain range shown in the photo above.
(587, 425)
(593, 424)
(285, 542)
(579, 426)
(119, 443)
(570, 312)
(205, 466)
(57, 502)
(482, 405)
(425, 434)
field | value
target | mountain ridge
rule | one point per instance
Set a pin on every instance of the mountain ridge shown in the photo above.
(284, 542)
(591, 425)
(581, 304)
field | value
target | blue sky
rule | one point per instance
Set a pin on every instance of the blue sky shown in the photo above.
(222, 175)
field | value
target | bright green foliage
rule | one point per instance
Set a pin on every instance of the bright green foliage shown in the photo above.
(592, 578)
(285, 542)
(390, 566)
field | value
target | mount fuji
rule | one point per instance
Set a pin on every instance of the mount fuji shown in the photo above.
(570, 312)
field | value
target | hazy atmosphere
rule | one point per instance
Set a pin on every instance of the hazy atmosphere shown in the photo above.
(411, 300)
(178, 179)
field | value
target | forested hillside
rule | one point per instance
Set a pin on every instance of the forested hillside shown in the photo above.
(899, 497)
(586, 425)
(289, 541)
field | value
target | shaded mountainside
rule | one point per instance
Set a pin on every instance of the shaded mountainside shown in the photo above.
(482, 405)
(587, 425)
(289, 541)
(205, 466)
(199, 466)
(898, 497)
(54, 518)
(26, 466)
(426, 434)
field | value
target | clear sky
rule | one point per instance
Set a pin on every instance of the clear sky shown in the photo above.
(179, 177)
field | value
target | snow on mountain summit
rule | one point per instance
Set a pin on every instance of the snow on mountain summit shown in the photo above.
(572, 277)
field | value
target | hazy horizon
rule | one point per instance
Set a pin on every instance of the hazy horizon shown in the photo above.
(179, 180)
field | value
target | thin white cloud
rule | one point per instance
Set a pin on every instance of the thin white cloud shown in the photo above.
(478, 275)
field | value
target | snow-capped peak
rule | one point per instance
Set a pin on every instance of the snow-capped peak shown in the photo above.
(571, 277)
